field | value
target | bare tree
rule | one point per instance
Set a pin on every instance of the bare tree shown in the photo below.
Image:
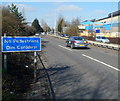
(72, 29)
(75, 22)
(45, 26)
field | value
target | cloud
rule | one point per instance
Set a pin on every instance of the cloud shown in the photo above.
(58, 0)
(56, 3)
(23, 6)
(48, 15)
(68, 8)
(26, 7)
(99, 11)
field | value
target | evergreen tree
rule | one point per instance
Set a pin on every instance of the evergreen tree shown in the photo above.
(61, 24)
(18, 15)
(14, 9)
(37, 26)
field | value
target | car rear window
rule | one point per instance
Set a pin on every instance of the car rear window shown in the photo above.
(79, 38)
(104, 38)
(98, 37)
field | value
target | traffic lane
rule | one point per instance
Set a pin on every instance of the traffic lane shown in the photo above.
(104, 61)
(68, 76)
(76, 77)
(106, 50)
(105, 56)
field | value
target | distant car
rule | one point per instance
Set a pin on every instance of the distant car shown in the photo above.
(67, 35)
(76, 41)
(43, 33)
(102, 39)
(62, 35)
(37, 34)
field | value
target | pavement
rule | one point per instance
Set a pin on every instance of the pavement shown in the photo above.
(90, 73)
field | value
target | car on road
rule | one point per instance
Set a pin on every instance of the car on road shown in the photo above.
(67, 35)
(76, 41)
(102, 39)
(37, 34)
(62, 35)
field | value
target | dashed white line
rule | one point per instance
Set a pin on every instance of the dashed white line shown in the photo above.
(101, 62)
(65, 48)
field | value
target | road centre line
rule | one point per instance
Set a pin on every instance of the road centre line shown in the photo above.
(65, 48)
(101, 62)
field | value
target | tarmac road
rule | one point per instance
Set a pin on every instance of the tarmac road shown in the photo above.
(90, 73)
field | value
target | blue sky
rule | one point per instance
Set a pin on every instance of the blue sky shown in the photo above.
(50, 11)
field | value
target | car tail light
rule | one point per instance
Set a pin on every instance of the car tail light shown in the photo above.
(85, 41)
(75, 42)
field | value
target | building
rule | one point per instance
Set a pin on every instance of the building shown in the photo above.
(108, 26)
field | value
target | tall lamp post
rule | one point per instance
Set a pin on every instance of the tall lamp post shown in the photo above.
(111, 19)
(55, 24)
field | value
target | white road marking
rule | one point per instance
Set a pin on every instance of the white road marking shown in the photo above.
(101, 62)
(65, 48)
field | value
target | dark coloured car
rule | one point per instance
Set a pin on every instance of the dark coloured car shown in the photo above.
(76, 41)
(62, 35)
(67, 35)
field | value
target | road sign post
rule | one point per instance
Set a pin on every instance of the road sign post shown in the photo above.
(5, 58)
(21, 44)
(35, 65)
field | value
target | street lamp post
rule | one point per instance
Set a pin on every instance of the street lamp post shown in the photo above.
(55, 24)
(111, 19)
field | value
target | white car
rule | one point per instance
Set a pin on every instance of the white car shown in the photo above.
(37, 34)
(102, 39)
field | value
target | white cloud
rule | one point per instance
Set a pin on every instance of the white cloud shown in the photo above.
(23, 6)
(56, 3)
(48, 15)
(26, 7)
(99, 11)
(68, 8)
(58, 0)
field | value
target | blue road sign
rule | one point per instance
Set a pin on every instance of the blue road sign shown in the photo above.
(97, 31)
(21, 44)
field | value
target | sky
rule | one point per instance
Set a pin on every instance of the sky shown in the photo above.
(50, 11)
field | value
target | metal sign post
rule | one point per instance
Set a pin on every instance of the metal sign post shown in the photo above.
(5, 58)
(35, 65)
(21, 44)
